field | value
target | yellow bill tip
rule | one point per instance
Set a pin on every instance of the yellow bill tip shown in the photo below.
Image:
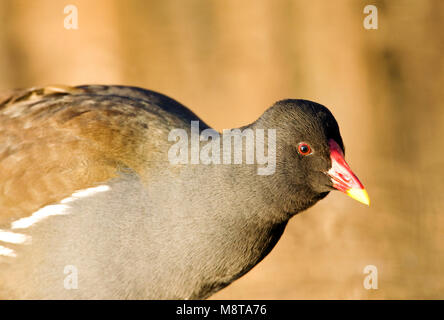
(359, 195)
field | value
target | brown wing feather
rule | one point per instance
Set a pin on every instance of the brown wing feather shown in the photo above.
(56, 140)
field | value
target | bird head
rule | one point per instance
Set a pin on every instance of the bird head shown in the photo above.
(310, 151)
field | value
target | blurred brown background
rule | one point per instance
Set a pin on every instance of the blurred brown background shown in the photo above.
(229, 60)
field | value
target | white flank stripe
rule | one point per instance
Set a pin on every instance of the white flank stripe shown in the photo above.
(51, 210)
(12, 237)
(56, 209)
(7, 252)
(85, 193)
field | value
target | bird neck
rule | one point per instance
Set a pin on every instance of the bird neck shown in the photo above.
(241, 166)
(265, 197)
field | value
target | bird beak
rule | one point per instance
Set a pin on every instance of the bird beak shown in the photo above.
(343, 177)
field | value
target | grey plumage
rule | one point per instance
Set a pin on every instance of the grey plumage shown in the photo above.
(160, 231)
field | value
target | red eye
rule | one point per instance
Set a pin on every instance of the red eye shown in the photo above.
(304, 149)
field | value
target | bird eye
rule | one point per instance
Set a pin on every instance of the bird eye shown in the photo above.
(304, 149)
